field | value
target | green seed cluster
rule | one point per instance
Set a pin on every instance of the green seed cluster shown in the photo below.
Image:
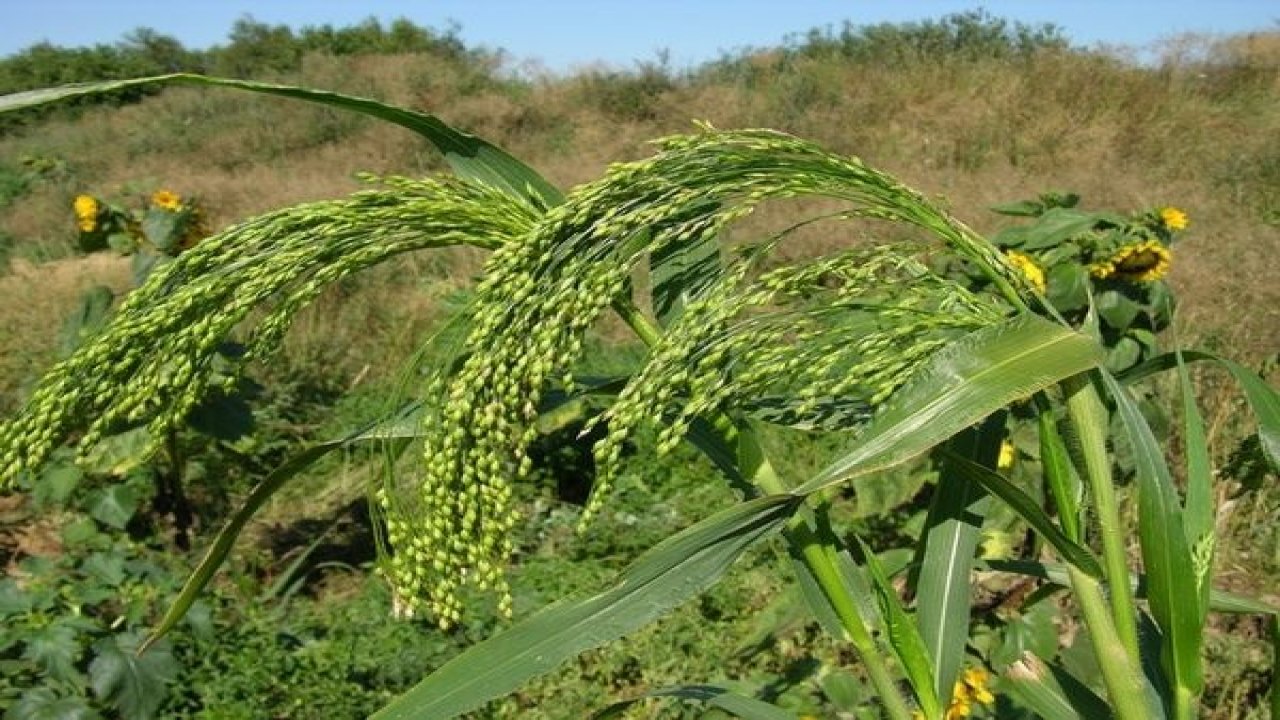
(825, 329)
(154, 361)
(540, 296)
(855, 324)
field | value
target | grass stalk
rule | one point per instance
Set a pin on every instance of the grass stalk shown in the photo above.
(1120, 672)
(1089, 419)
(819, 558)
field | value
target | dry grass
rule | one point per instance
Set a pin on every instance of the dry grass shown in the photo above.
(38, 299)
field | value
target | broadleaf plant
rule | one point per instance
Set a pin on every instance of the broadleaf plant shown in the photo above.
(912, 358)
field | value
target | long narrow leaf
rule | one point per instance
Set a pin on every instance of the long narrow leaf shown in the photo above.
(1166, 554)
(1263, 400)
(905, 639)
(1027, 508)
(851, 578)
(948, 544)
(1198, 510)
(664, 577)
(738, 705)
(1219, 600)
(469, 156)
(962, 384)
(1060, 475)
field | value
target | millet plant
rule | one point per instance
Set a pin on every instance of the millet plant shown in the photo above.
(874, 345)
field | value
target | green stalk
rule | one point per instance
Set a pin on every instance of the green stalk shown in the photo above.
(1064, 487)
(799, 533)
(820, 560)
(1120, 672)
(626, 308)
(1090, 420)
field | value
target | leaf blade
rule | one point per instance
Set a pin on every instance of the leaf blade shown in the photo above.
(665, 576)
(965, 382)
(470, 157)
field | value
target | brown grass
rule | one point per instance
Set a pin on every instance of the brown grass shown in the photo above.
(37, 300)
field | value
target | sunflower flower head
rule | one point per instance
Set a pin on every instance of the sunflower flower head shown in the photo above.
(1140, 262)
(1029, 267)
(86, 210)
(1173, 218)
(166, 200)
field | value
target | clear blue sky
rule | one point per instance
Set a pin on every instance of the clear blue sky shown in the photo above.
(563, 34)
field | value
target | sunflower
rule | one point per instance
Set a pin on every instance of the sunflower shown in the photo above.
(1029, 267)
(1145, 261)
(86, 210)
(1173, 218)
(166, 199)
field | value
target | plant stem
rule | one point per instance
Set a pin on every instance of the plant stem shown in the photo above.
(626, 308)
(819, 558)
(1120, 673)
(1090, 419)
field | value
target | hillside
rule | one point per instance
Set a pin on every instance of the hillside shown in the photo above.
(969, 120)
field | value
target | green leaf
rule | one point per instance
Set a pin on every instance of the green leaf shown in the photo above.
(1199, 513)
(222, 416)
(1060, 475)
(843, 690)
(678, 271)
(45, 704)
(738, 705)
(1116, 309)
(852, 579)
(1029, 510)
(107, 568)
(95, 305)
(662, 578)
(56, 649)
(469, 156)
(13, 599)
(134, 685)
(905, 637)
(1263, 400)
(1166, 554)
(946, 550)
(1057, 225)
(1032, 630)
(118, 454)
(961, 384)
(1219, 600)
(161, 229)
(1068, 286)
(1123, 355)
(57, 482)
(1051, 692)
(114, 505)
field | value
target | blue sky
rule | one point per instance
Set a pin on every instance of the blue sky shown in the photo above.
(563, 34)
